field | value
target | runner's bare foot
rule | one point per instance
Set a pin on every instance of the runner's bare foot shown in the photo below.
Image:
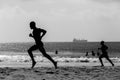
(102, 65)
(112, 64)
(33, 64)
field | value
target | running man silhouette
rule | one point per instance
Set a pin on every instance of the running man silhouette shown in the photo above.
(37, 35)
(104, 53)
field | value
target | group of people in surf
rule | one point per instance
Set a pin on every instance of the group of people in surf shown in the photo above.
(38, 33)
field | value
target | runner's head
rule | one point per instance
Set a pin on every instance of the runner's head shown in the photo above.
(32, 25)
(102, 42)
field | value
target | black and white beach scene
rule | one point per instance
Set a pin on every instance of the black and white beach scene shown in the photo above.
(59, 40)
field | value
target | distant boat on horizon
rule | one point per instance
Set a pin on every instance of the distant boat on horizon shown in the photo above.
(80, 40)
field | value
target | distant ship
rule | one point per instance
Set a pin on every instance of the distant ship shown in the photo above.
(80, 41)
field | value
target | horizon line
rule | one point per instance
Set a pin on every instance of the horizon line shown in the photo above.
(55, 41)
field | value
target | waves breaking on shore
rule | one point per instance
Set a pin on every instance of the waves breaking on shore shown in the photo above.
(26, 58)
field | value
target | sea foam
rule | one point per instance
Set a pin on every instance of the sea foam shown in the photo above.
(26, 58)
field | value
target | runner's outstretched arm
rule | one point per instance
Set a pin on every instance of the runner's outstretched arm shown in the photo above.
(30, 35)
(43, 33)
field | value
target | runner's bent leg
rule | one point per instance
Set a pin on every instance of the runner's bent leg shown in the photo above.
(31, 54)
(109, 60)
(47, 56)
(100, 58)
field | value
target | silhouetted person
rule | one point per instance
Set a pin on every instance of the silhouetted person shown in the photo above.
(37, 35)
(86, 54)
(98, 54)
(104, 53)
(93, 54)
(56, 52)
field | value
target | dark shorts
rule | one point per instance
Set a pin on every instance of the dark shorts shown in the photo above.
(39, 43)
(104, 55)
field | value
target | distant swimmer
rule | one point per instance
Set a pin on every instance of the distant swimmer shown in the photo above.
(56, 52)
(104, 53)
(98, 54)
(93, 53)
(37, 35)
(86, 54)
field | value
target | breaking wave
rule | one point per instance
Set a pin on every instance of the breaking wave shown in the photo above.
(26, 58)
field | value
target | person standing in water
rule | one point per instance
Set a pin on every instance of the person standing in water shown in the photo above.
(104, 53)
(37, 35)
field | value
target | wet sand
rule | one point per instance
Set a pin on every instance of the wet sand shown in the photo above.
(47, 72)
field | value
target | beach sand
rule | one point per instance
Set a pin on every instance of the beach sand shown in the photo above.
(47, 72)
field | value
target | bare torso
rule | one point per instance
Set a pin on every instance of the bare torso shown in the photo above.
(37, 36)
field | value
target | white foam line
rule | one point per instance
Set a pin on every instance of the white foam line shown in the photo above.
(22, 58)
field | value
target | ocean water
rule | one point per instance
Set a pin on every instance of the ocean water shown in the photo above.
(67, 57)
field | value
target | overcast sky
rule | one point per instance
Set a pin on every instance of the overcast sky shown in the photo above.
(94, 20)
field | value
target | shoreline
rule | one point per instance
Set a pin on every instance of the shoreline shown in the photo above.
(50, 65)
